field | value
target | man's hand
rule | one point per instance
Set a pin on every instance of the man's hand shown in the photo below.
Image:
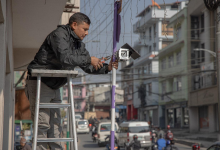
(96, 63)
(114, 64)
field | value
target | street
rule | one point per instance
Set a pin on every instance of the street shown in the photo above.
(86, 143)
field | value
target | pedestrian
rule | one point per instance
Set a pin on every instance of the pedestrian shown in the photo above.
(24, 145)
(62, 49)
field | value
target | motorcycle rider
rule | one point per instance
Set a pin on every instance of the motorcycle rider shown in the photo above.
(135, 143)
(161, 142)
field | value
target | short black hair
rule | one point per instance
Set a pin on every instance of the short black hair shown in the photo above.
(79, 18)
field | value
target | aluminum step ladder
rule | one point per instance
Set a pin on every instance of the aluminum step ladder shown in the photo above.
(55, 73)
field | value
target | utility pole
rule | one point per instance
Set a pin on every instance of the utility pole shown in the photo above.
(116, 32)
(218, 64)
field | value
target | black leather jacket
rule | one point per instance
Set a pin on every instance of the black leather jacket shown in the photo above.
(63, 50)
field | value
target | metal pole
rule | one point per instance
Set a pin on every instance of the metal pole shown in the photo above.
(72, 112)
(113, 80)
(36, 111)
(218, 65)
(68, 130)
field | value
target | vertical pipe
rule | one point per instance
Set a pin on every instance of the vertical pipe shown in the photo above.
(113, 80)
(72, 112)
(218, 65)
(36, 116)
(68, 129)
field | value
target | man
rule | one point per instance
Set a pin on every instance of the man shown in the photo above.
(161, 143)
(62, 49)
(24, 145)
(135, 143)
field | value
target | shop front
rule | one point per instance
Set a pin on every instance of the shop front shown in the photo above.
(151, 115)
(177, 115)
(203, 110)
(132, 113)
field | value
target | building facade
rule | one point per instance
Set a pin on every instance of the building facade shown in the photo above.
(173, 72)
(127, 86)
(153, 36)
(203, 93)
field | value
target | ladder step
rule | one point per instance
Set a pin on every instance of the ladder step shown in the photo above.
(53, 105)
(55, 140)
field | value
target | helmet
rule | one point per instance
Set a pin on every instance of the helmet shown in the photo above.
(168, 127)
(135, 137)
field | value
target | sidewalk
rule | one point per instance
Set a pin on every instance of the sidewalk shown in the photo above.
(183, 136)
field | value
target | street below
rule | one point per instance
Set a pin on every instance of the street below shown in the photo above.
(86, 143)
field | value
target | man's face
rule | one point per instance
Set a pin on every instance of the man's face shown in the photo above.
(81, 29)
(22, 144)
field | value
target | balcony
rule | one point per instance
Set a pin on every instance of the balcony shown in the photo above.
(149, 18)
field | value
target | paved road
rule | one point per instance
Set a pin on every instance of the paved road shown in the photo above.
(85, 143)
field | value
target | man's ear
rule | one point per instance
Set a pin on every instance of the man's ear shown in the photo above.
(74, 25)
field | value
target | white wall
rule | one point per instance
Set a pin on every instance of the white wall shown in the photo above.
(6, 79)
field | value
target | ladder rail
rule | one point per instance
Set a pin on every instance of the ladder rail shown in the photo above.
(36, 115)
(72, 112)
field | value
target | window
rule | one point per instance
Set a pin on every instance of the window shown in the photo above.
(106, 127)
(202, 23)
(150, 49)
(149, 68)
(194, 27)
(178, 31)
(82, 122)
(145, 70)
(149, 88)
(155, 33)
(202, 53)
(138, 129)
(171, 61)
(154, 45)
(163, 64)
(77, 91)
(178, 58)
(124, 130)
(179, 84)
(150, 33)
(163, 89)
(174, 6)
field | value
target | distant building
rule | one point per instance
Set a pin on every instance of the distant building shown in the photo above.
(173, 70)
(203, 90)
(153, 36)
(101, 97)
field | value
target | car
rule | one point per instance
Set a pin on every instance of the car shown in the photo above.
(82, 126)
(103, 130)
(128, 129)
(215, 146)
(78, 117)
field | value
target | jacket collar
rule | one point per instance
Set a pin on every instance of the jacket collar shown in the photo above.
(72, 33)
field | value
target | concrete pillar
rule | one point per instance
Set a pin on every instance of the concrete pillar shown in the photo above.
(193, 119)
(2, 72)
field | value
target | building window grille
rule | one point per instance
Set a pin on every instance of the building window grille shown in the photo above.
(171, 61)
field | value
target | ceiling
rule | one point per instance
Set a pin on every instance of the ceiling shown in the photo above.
(33, 20)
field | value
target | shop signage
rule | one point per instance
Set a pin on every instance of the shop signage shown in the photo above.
(151, 107)
(204, 97)
(176, 105)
